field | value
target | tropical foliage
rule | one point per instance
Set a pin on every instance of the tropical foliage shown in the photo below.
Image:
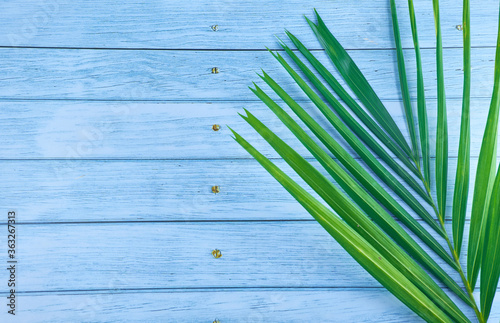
(365, 213)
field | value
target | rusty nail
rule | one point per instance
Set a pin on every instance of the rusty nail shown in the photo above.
(216, 253)
(215, 189)
(215, 127)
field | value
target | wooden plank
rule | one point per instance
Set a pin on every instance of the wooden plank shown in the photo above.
(103, 191)
(186, 75)
(167, 130)
(68, 257)
(242, 24)
(283, 305)
(105, 263)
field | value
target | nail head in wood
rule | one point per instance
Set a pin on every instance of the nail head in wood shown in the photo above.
(215, 189)
(216, 253)
(215, 70)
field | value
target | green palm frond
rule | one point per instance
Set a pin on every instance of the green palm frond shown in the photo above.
(423, 128)
(491, 257)
(360, 249)
(404, 85)
(362, 213)
(463, 164)
(442, 123)
(485, 176)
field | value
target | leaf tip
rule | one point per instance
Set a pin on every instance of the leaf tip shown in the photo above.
(243, 116)
(262, 77)
(235, 134)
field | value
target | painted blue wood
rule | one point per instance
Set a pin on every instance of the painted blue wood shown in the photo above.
(173, 130)
(240, 305)
(155, 190)
(91, 259)
(87, 104)
(187, 75)
(89, 256)
(244, 24)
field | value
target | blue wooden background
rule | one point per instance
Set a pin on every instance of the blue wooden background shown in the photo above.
(108, 155)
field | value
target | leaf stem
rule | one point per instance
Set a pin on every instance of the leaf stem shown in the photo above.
(462, 275)
(428, 191)
(426, 184)
(455, 256)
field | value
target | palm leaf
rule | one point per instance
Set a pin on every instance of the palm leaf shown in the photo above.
(410, 122)
(490, 271)
(463, 163)
(354, 240)
(423, 128)
(352, 104)
(353, 141)
(349, 120)
(357, 82)
(442, 123)
(352, 166)
(354, 190)
(386, 176)
(484, 180)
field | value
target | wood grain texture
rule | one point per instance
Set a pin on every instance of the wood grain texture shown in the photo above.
(242, 24)
(103, 191)
(240, 305)
(116, 258)
(186, 75)
(178, 255)
(168, 130)
(108, 155)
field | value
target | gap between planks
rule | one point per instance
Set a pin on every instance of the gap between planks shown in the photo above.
(221, 49)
